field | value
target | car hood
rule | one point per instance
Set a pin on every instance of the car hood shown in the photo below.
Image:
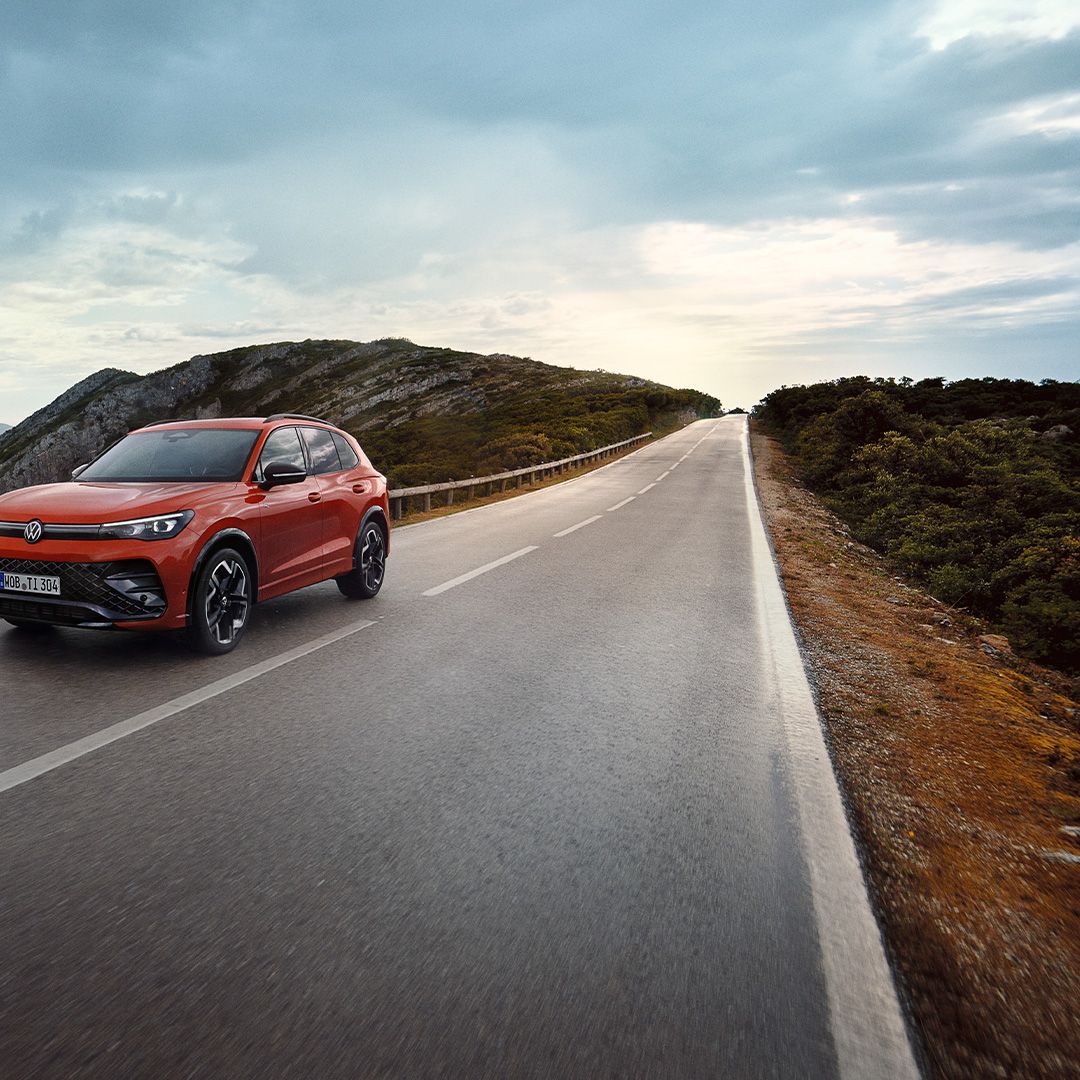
(92, 503)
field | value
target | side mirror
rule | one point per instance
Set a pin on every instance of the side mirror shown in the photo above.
(282, 472)
(79, 470)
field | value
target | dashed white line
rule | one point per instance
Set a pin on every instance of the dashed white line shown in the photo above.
(31, 770)
(461, 579)
(619, 505)
(579, 525)
(676, 465)
(647, 487)
(661, 477)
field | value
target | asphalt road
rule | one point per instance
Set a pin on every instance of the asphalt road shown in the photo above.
(568, 817)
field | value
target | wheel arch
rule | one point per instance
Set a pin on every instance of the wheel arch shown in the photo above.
(234, 538)
(377, 514)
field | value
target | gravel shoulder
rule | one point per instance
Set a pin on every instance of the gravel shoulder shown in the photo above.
(961, 767)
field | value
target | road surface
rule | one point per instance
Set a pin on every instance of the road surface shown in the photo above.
(555, 804)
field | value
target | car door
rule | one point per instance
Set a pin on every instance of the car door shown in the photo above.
(341, 520)
(292, 519)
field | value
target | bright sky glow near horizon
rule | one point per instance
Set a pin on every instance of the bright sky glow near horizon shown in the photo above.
(726, 196)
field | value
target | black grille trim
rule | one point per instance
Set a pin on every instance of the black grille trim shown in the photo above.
(86, 594)
(52, 532)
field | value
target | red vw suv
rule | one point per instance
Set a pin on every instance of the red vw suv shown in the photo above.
(185, 524)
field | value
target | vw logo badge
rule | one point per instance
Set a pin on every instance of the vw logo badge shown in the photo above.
(33, 531)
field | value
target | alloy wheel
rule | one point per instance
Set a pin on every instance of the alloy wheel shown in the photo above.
(373, 557)
(227, 600)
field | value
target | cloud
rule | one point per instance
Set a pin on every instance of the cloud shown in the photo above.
(684, 188)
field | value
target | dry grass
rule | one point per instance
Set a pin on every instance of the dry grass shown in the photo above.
(962, 769)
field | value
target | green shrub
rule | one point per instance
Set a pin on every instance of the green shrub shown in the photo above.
(960, 486)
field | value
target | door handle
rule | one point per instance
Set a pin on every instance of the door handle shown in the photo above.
(314, 496)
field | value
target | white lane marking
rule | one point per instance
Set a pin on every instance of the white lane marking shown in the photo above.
(551, 489)
(647, 487)
(661, 477)
(620, 505)
(869, 1034)
(30, 770)
(579, 525)
(461, 579)
(676, 465)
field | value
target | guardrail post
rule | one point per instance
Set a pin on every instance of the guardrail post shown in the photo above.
(427, 501)
(449, 496)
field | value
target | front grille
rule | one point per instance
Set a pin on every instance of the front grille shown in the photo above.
(89, 583)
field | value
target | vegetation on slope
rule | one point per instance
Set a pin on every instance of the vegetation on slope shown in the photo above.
(423, 414)
(971, 487)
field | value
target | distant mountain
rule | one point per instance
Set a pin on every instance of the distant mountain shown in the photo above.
(423, 414)
(4, 427)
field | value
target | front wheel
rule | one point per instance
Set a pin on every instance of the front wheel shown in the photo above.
(366, 578)
(221, 601)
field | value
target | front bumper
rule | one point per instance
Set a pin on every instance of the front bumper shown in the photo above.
(92, 594)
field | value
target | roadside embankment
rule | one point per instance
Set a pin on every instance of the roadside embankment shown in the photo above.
(961, 767)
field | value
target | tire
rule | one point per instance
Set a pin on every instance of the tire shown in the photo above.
(365, 580)
(221, 603)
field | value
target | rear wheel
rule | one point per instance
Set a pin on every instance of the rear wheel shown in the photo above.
(366, 578)
(221, 601)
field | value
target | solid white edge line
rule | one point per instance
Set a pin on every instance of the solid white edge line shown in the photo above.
(620, 505)
(869, 1032)
(647, 487)
(462, 578)
(579, 525)
(30, 770)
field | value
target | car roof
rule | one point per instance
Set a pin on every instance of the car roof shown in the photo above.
(235, 422)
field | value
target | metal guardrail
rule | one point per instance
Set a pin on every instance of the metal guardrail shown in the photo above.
(399, 497)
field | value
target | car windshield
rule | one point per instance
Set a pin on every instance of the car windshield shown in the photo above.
(177, 454)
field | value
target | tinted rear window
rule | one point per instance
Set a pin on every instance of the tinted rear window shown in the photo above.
(349, 460)
(182, 454)
(321, 450)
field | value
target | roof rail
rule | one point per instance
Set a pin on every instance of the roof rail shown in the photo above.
(296, 416)
(174, 420)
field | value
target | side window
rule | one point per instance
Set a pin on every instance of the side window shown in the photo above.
(281, 445)
(349, 460)
(321, 448)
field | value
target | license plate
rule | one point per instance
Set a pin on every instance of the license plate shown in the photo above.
(41, 584)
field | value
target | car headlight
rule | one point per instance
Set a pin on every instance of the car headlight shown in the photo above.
(162, 527)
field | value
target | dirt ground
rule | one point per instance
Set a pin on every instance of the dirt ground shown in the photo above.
(961, 767)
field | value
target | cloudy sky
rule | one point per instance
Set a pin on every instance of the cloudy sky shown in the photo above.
(728, 195)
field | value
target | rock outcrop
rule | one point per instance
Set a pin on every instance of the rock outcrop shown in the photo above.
(359, 385)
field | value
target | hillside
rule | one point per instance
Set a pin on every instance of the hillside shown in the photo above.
(423, 414)
(971, 488)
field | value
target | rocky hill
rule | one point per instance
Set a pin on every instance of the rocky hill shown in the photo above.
(423, 414)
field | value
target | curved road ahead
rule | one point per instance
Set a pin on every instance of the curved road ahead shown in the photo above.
(556, 804)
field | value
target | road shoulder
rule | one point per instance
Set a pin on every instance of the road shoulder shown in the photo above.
(961, 765)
